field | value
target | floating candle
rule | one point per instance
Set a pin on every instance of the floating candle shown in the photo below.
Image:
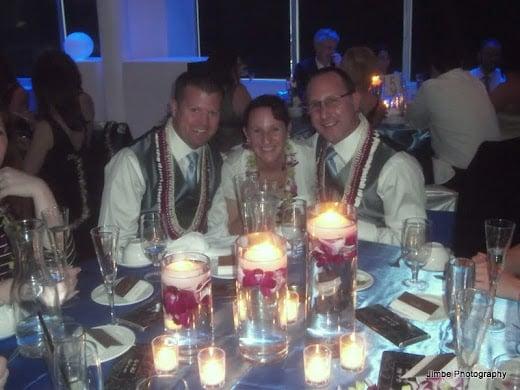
(184, 274)
(330, 225)
(265, 255)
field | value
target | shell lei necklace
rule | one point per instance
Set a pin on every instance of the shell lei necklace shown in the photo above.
(166, 191)
(355, 184)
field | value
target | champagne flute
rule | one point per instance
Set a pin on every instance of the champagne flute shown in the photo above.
(106, 241)
(415, 249)
(473, 310)
(153, 241)
(499, 233)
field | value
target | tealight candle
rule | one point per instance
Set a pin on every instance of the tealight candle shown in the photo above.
(165, 354)
(317, 360)
(212, 367)
(292, 304)
(352, 351)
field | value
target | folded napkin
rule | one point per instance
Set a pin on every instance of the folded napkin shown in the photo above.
(191, 242)
(415, 307)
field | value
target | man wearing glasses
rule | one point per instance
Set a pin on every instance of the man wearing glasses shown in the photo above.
(356, 166)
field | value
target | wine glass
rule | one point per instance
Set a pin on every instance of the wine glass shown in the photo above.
(473, 310)
(106, 241)
(415, 249)
(499, 233)
(153, 241)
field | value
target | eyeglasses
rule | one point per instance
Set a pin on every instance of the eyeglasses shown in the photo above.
(330, 102)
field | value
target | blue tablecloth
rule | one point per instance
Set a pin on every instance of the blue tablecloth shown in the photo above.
(286, 374)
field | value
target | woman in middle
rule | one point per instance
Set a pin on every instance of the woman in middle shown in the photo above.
(270, 155)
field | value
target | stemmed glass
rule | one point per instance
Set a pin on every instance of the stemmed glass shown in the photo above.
(415, 249)
(473, 310)
(499, 233)
(153, 241)
(106, 242)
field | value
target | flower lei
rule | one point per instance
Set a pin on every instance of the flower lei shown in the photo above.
(355, 184)
(290, 188)
(85, 210)
(166, 191)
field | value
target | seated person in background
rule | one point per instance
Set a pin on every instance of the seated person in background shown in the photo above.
(487, 71)
(360, 63)
(225, 66)
(509, 283)
(13, 97)
(456, 109)
(325, 43)
(171, 168)
(18, 183)
(506, 96)
(383, 60)
(355, 165)
(271, 155)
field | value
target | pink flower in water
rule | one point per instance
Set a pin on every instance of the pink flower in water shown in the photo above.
(268, 281)
(334, 251)
(180, 304)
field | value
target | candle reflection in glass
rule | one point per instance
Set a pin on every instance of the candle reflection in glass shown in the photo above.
(292, 305)
(317, 360)
(165, 354)
(352, 351)
(212, 367)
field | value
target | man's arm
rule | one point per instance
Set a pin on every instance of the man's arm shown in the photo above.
(401, 187)
(122, 194)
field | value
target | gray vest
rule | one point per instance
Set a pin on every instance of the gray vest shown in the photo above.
(371, 208)
(185, 202)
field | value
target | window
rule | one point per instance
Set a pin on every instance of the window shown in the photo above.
(371, 23)
(257, 29)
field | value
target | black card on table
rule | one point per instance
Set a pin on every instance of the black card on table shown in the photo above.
(144, 316)
(391, 326)
(134, 365)
(394, 364)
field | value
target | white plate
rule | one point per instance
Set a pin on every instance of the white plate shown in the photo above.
(440, 314)
(133, 265)
(124, 335)
(364, 280)
(99, 295)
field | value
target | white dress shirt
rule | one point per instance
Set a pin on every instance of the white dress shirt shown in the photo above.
(400, 185)
(496, 77)
(125, 186)
(236, 164)
(456, 109)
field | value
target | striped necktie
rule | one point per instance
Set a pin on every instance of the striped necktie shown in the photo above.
(191, 173)
(330, 154)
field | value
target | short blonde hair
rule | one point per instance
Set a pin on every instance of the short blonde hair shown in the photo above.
(360, 63)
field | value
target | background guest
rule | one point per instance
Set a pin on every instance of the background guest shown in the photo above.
(489, 58)
(325, 43)
(60, 136)
(226, 66)
(360, 63)
(13, 97)
(456, 109)
(271, 155)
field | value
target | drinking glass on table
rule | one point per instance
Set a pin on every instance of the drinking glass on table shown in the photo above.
(459, 275)
(499, 233)
(153, 241)
(416, 249)
(106, 244)
(509, 364)
(473, 310)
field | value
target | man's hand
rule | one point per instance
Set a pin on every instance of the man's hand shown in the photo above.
(17, 183)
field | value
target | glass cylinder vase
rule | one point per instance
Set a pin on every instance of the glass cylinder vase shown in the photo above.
(262, 290)
(187, 301)
(331, 272)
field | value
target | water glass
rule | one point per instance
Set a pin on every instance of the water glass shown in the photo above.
(259, 213)
(262, 291)
(106, 245)
(510, 365)
(187, 301)
(458, 275)
(499, 233)
(416, 249)
(153, 241)
(71, 358)
(472, 314)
